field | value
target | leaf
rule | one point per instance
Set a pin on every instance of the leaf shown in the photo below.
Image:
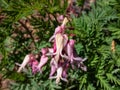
(103, 83)
(113, 79)
(90, 87)
(3, 3)
(78, 47)
(82, 81)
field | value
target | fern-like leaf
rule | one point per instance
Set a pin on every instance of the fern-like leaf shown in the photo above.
(103, 83)
(113, 79)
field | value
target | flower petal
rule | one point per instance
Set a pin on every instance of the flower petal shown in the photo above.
(51, 38)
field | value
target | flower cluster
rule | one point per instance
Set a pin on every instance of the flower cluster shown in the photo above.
(62, 55)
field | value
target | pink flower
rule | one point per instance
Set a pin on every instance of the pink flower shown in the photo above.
(32, 59)
(33, 66)
(26, 60)
(70, 51)
(58, 47)
(43, 59)
(64, 74)
(78, 60)
(59, 75)
(53, 67)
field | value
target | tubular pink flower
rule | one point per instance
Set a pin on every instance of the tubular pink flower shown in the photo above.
(70, 47)
(64, 74)
(43, 59)
(53, 68)
(70, 51)
(60, 41)
(59, 75)
(32, 60)
(33, 66)
(59, 46)
(25, 61)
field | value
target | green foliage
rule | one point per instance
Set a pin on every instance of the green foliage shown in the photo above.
(93, 33)
(103, 83)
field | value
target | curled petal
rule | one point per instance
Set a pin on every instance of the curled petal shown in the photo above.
(64, 79)
(82, 66)
(78, 59)
(32, 60)
(51, 38)
(32, 57)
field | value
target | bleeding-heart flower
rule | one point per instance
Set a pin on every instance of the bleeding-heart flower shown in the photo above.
(43, 59)
(65, 69)
(25, 62)
(59, 75)
(34, 66)
(70, 51)
(53, 67)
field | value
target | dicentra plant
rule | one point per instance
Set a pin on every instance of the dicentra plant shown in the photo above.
(27, 27)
